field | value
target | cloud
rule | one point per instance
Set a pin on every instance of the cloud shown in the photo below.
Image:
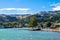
(21, 9)
(25, 13)
(56, 6)
(15, 11)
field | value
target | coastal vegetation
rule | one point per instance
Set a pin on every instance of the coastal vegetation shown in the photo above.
(38, 20)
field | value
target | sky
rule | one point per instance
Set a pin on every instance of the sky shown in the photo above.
(28, 6)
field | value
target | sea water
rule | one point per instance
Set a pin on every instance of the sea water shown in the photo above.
(21, 34)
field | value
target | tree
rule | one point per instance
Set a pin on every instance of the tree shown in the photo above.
(12, 24)
(40, 25)
(21, 23)
(33, 21)
(51, 18)
(58, 21)
(48, 24)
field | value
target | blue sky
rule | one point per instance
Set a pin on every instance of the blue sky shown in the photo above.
(28, 6)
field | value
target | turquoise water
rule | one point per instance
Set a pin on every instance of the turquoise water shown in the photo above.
(18, 34)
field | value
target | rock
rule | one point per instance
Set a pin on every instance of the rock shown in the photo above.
(36, 29)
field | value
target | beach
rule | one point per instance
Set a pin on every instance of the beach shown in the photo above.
(51, 30)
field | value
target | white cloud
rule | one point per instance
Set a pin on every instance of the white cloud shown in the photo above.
(15, 11)
(56, 8)
(21, 9)
(25, 13)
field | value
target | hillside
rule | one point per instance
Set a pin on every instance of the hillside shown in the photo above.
(41, 16)
(11, 18)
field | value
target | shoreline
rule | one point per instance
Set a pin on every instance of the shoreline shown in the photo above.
(51, 30)
(44, 29)
(35, 29)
